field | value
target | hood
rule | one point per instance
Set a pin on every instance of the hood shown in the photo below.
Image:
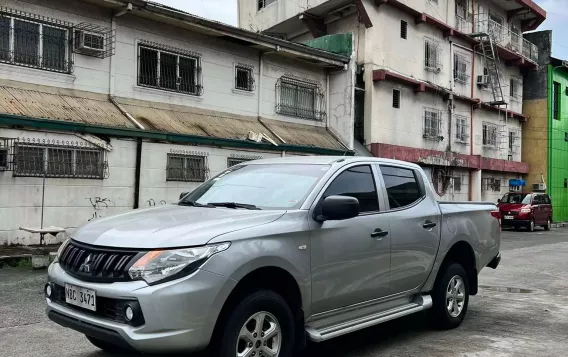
(170, 226)
(511, 206)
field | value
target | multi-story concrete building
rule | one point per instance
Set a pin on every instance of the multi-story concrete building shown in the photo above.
(545, 138)
(125, 104)
(440, 81)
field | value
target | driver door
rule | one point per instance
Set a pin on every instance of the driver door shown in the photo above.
(350, 259)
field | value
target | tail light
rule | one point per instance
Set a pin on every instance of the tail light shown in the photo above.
(497, 215)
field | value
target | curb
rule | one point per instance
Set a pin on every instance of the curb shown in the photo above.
(559, 225)
(35, 261)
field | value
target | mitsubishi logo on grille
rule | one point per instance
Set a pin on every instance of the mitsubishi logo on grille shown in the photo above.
(86, 266)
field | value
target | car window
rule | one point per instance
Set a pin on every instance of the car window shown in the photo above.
(527, 200)
(403, 188)
(547, 199)
(514, 198)
(356, 182)
(537, 200)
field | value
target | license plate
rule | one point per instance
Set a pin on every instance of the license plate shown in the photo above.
(509, 217)
(82, 297)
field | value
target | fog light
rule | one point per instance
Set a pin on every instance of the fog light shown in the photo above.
(48, 290)
(129, 313)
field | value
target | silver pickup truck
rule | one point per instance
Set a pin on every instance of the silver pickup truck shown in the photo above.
(270, 254)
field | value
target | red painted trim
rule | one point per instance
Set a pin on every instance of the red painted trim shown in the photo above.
(538, 12)
(430, 157)
(510, 114)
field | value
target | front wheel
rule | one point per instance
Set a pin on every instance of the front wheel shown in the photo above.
(531, 225)
(261, 325)
(450, 297)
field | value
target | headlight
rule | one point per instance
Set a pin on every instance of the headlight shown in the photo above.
(61, 249)
(159, 265)
(526, 210)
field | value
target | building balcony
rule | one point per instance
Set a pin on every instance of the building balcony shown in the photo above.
(510, 44)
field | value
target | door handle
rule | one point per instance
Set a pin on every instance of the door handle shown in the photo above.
(429, 225)
(379, 233)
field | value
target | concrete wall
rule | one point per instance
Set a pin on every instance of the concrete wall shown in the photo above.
(535, 140)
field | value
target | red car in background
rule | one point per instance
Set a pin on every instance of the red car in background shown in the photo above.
(526, 210)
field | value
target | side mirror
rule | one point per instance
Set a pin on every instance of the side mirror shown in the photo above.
(338, 208)
(498, 200)
(183, 194)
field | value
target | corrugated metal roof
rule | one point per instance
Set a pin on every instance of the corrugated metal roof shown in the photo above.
(304, 135)
(46, 105)
(193, 122)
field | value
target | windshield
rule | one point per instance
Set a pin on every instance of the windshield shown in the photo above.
(281, 186)
(517, 198)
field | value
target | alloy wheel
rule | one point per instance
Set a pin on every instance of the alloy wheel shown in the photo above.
(260, 336)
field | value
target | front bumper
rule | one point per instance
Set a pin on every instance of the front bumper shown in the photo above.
(179, 316)
(518, 222)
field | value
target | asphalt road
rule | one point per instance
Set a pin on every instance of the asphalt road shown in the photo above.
(522, 310)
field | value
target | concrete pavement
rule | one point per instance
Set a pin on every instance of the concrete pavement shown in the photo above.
(522, 310)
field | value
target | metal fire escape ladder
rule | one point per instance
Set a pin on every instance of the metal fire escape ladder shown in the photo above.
(492, 64)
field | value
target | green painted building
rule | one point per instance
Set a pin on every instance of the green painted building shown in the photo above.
(545, 134)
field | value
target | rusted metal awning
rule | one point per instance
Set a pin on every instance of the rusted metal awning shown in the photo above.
(92, 109)
(304, 135)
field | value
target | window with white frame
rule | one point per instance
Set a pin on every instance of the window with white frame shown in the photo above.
(432, 124)
(515, 88)
(300, 99)
(27, 41)
(168, 68)
(244, 78)
(59, 161)
(461, 68)
(490, 135)
(186, 168)
(432, 55)
(462, 129)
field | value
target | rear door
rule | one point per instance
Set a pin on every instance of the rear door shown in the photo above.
(547, 208)
(538, 208)
(415, 221)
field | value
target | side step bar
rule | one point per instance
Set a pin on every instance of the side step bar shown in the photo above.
(326, 333)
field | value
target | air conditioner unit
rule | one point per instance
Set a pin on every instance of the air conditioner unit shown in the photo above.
(483, 80)
(90, 42)
(539, 187)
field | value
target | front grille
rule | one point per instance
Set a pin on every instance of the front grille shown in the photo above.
(97, 264)
(510, 213)
(107, 308)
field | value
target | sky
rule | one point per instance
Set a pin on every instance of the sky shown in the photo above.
(226, 11)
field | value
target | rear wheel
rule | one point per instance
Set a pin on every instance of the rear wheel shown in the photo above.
(450, 297)
(261, 325)
(548, 224)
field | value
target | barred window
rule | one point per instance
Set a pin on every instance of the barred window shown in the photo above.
(462, 129)
(457, 183)
(32, 43)
(264, 3)
(232, 161)
(490, 135)
(432, 124)
(300, 99)
(186, 168)
(3, 158)
(432, 55)
(396, 98)
(513, 141)
(461, 8)
(59, 162)
(244, 78)
(163, 69)
(491, 184)
(461, 71)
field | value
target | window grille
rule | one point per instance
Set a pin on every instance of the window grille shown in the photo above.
(457, 183)
(56, 160)
(32, 42)
(432, 124)
(461, 8)
(244, 78)
(186, 168)
(403, 29)
(396, 98)
(462, 129)
(432, 55)
(513, 141)
(461, 69)
(169, 69)
(489, 135)
(93, 40)
(491, 184)
(300, 99)
(264, 3)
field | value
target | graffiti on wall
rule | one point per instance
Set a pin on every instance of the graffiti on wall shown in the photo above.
(152, 203)
(99, 204)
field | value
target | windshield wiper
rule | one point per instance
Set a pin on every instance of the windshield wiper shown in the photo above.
(234, 205)
(194, 204)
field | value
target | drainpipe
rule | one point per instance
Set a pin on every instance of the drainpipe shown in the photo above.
(471, 110)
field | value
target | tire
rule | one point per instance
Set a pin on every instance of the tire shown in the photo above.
(263, 305)
(548, 224)
(531, 225)
(440, 315)
(108, 347)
